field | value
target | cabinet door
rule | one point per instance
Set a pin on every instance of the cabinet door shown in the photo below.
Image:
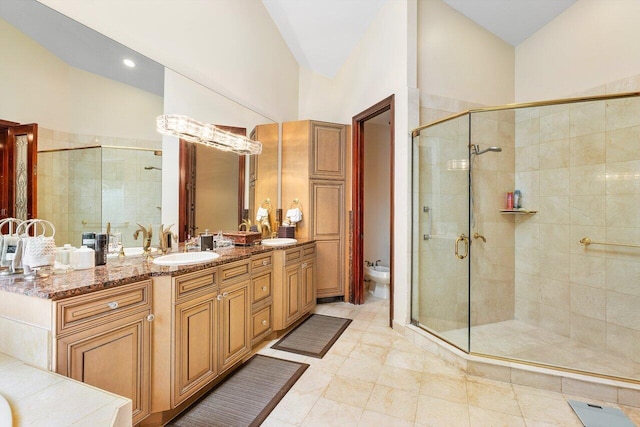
(327, 207)
(115, 357)
(235, 311)
(308, 287)
(327, 150)
(292, 306)
(195, 348)
(329, 278)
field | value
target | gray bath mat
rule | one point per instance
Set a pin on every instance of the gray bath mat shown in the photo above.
(245, 398)
(313, 337)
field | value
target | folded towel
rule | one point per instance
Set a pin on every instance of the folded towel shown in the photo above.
(294, 215)
(262, 214)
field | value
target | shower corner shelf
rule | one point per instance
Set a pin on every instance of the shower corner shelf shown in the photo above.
(517, 212)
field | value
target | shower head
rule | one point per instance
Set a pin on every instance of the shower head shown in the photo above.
(148, 168)
(475, 149)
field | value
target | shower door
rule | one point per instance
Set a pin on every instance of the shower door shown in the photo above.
(440, 283)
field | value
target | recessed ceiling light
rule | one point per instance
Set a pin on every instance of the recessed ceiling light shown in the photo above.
(129, 63)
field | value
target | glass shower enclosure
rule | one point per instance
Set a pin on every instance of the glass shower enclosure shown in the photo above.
(556, 282)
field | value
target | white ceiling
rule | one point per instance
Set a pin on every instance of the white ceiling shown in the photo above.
(322, 33)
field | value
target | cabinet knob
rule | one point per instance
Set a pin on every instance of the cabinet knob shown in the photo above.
(264, 322)
(151, 317)
(219, 297)
(113, 305)
(304, 265)
(265, 262)
(264, 288)
(225, 294)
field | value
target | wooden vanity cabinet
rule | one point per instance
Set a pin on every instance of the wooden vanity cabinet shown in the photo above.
(235, 309)
(104, 339)
(294, 290)
(261, 296)
(195, 315)
(314, 171)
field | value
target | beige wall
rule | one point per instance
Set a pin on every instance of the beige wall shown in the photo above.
(232, 47)
(376, 193)
(459, 59)
(592, 43)
(382, 64)
(45, 90)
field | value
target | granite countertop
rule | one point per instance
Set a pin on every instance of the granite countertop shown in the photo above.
(119, 272)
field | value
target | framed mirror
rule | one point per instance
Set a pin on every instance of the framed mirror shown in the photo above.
(100, 159)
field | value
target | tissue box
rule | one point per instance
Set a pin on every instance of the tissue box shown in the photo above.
(286, 232)
(244, 238)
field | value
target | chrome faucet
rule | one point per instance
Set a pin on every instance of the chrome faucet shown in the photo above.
(146, 239)
(165, 236)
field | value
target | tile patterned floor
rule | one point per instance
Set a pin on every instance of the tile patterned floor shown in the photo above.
(373, 376)
(522, 341)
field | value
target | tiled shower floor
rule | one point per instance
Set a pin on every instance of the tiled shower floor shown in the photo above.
(519, 340)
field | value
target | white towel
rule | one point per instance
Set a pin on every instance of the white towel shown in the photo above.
(262, 214)
(294, 215)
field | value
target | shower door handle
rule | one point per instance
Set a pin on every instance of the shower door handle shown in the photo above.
(465, 239)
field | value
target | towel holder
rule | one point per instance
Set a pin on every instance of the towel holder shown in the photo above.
(295, 204)
(266, 205)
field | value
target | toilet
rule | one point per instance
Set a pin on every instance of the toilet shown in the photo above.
(380, 277)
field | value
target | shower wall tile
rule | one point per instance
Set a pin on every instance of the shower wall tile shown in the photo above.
(528, 261)
(555, 238)
(623, 341)
(588, 180)
(528, 287)
(557, 320)
(623, 144)
(554, 293)
(588, 210)
(484, 130)
(595, 233)
(588, 149)
(587, 118)
(554, 265)
(622, 210)
(527, 311)
(555, 154)
(623, 177)
(588, 301)
(554, 182)
(589, 331)
(623, 276)
(588, 271)
(528, 133)
(553, 210)
(622, 113)
(555, 125)
(527, 158)
(622, 310)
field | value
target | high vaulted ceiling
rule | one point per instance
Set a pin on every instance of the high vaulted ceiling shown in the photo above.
(322, 33)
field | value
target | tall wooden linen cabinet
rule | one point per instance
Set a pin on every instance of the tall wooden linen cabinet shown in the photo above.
(314, 173)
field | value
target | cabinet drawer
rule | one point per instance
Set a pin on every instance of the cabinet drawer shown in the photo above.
(234, 271)
(259, 262)
(261, 322)
(309, 250)
(74, 312)
(195, 282)
(260, 287)
(292, 256)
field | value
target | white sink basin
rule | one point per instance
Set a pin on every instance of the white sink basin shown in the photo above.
(186, 258)
(280, 241)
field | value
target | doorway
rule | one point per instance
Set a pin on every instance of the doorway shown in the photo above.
(384, 108)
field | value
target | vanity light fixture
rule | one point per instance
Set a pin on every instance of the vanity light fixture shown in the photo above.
(129, 63)
(207, 134)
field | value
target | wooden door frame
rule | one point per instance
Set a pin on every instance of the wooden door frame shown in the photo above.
(8, 196)
(186, 165)
(356, 295)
